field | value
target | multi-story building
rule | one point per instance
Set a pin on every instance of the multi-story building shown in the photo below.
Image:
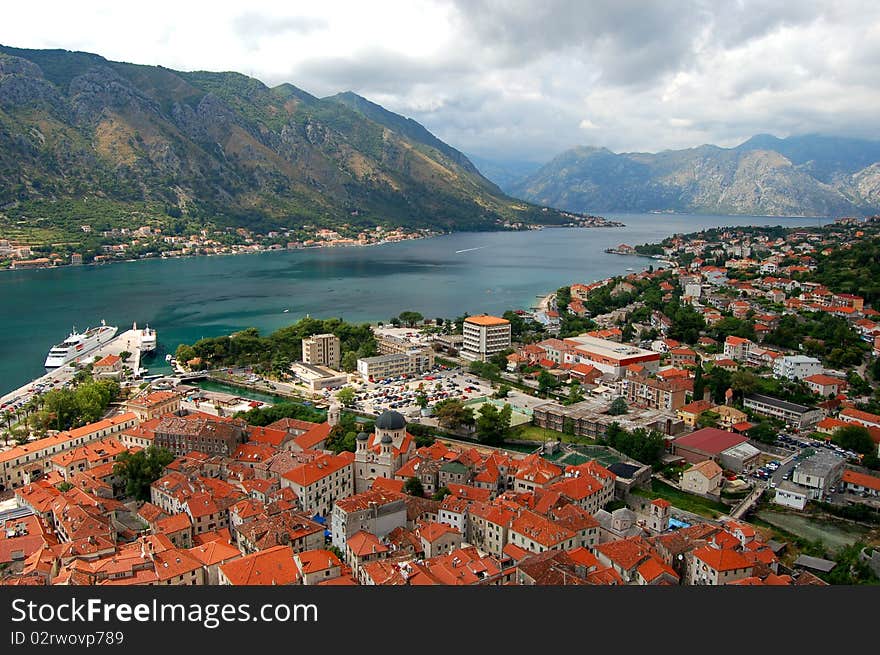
(319, 483)
(155, 404)
(322, 350)
(799, 416)
(608, 356)
(202, 433)
(737, 348)
(484, 336)
(21, 464)
(374, 511)
(796, 367)
(410, 362)
(653, 393)
(718, 566)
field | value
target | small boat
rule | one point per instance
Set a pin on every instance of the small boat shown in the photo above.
(285, 311)
(169, 357)
(630, 269)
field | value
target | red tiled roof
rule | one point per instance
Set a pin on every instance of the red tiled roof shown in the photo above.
(722, 559)
(710, 440)
(274, 566)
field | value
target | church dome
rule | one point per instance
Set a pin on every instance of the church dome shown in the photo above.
(362, 436)
(391, 420)
(386, 439)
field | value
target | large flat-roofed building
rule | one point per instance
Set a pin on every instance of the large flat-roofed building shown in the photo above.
(819, 473)
(609, 356)
(412, 362)
(799, 416)
(318, 377)
(589, 418)
(322, 350)
(708, 443)
(484, 336)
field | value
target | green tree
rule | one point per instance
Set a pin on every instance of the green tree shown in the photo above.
(855, 438)
(502, 392)
(349, 361)
(413, 487)
(493, 425)
(411, 318)
(125, 356)
(441, 493)
(618, 406)
(699, 383)
(141, 469)
(452, 413)
(575, 394)
(184, 353)
(763, 432)
(546, 382)
(346, 395)
(709, 419)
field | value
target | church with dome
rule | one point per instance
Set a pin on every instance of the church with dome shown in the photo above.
(380, 454)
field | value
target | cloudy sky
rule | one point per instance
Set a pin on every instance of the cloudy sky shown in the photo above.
(519, 79)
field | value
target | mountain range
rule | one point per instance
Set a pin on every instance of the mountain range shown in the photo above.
(808, 175)
(77, 128)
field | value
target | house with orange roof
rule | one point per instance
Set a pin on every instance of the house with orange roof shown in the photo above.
(488, 526)
(154, 404)
(654, 571)
(364, 548)
(533, 471)
(293, 529)
(317, 565)
(690, 412)
(318, 484)
(703, 478)
(462, 566)
(861, 483)
(20, 464)
(177, 527)
(710, 565)
(109, 366)
(212, 555)
(438, 538)
(374, 511)
(624, 555)
(274, 566)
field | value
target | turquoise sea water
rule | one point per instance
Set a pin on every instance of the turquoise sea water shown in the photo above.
(186, 299)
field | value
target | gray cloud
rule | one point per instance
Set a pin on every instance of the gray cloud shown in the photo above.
(253, 26)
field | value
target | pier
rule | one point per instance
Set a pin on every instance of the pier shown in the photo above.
(127, 341)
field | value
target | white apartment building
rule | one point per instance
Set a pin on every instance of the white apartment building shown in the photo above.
(796, 367)
(484, 336)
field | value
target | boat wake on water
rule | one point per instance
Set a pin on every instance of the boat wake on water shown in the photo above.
(469, 249)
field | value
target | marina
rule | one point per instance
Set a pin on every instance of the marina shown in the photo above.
(134, 341)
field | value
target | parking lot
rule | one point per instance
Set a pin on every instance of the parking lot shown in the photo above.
(401, 393)
(798, 448)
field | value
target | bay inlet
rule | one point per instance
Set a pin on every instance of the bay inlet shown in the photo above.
(187, 299)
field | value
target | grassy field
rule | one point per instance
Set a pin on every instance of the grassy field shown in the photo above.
(535, 433)
(682, 500)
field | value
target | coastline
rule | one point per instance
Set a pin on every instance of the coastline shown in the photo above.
(608, 223)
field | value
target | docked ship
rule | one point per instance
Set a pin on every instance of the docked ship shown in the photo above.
(78, 344)
(148, 338)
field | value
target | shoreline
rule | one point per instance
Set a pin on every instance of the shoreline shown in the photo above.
(609, 223)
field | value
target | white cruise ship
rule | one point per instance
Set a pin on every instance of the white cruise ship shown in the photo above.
(79, 343)
(148, 338)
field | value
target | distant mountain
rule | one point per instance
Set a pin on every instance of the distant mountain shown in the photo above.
(504, 173)
(107, 139)
(797, 176)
